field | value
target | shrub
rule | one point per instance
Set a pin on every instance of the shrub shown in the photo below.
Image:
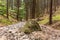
(31, 26)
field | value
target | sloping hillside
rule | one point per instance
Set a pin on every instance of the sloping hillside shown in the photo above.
(56, 17)
(4, 21)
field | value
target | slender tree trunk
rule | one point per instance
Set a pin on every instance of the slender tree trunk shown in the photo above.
(47, 7)
(26, 12)
(55, 5)
(44, 6)
(50, 17)
(7, 10)
(33, 9)
(18, 2)
(12, 4)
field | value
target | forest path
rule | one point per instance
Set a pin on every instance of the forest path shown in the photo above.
(50, 33)
(47, 33)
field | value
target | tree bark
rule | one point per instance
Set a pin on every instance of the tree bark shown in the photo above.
(7, 10)
(50, 17)
(33, 9)
(18, 2)
(26, 12)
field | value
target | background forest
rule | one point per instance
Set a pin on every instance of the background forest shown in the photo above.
(44, 11)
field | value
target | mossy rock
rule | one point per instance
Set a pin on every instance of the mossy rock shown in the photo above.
(30, 27)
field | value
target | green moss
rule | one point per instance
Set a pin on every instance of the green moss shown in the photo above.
(57, 17)
(43, 21)
(5, 21)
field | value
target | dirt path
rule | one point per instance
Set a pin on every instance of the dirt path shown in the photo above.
(47, 33)
(50, 33)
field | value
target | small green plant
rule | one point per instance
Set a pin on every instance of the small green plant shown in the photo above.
(2, 8)
(30, 27)
(5, 21)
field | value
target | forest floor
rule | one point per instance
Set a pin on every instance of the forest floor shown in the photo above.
(12, 32)
(5, 22)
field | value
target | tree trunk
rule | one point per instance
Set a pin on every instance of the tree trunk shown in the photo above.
(7, 10)
(18, 2)
(26, 12)
(47, 7)
(50, 17)
(12, 4)
(33, 9)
